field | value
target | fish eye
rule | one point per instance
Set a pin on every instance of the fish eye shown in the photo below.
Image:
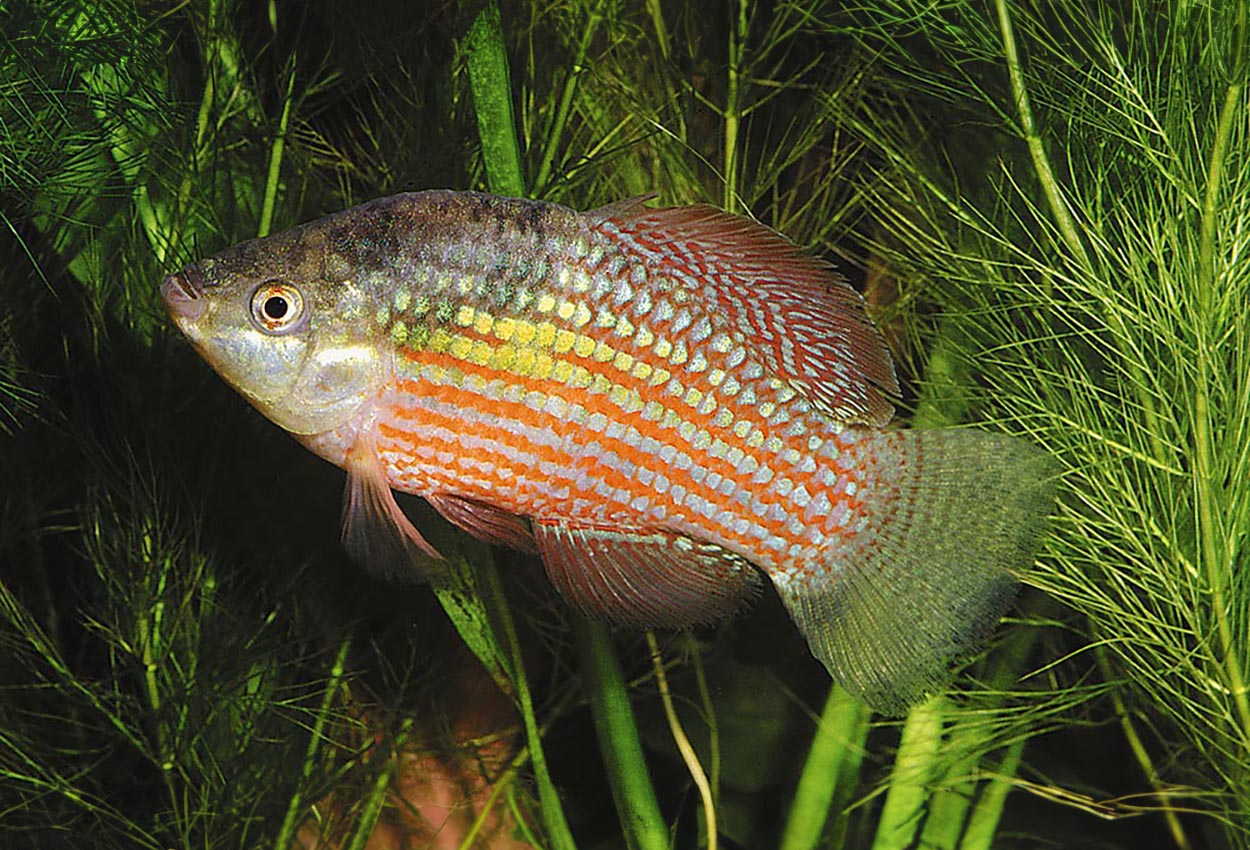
(277, 306)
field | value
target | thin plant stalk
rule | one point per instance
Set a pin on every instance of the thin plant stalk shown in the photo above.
(295, 807)
(733, 105)
(504, 784)
(575, 71)
(275, 157)
(1138, 747)
(548, 796)
(987, 812)
(684, 747)
(709, 715)
(1046, 175)
(473, 598)
(656, 13)
(376, 798)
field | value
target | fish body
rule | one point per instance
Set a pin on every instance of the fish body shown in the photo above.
(670, 406)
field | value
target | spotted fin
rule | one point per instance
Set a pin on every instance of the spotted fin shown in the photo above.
(376, 533)
(645, 578)
(792, 311)
(484, 521)
(949, 517)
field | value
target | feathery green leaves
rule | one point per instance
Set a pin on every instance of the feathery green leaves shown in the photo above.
(1059, 197)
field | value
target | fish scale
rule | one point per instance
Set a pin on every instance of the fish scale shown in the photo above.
(669, 406)
(567, 459)
(683, 421)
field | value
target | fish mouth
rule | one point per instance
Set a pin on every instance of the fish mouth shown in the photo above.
(182, 297)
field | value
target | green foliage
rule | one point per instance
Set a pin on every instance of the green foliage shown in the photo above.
(1059, 197)
(1101, 259)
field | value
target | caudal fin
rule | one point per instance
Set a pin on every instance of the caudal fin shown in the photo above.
(950, 516)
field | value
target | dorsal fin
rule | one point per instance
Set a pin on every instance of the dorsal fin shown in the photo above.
(792, 311)
(624, 208)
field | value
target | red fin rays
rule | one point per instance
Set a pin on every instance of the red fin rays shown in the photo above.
(795, 314)
(645, 578)
(486, 522)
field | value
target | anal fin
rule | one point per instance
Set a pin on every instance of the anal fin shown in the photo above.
(376, 532)
(645, 578)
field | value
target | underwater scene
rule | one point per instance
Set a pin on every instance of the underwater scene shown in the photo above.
(624, 424)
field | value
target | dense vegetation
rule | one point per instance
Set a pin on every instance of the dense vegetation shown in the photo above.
(1048, 206)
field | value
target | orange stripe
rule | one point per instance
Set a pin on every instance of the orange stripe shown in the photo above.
(493, 460)
(495, 489)
(506, 493)
(600, 403)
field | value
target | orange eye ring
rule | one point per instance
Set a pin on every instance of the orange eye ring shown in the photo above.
(277, 306)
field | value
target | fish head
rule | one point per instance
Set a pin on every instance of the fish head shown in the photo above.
(286, 324)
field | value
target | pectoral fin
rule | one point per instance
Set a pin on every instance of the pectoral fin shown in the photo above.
(645, 578)
(376, 533)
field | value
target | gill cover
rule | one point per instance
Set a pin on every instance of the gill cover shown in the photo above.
(280, 331)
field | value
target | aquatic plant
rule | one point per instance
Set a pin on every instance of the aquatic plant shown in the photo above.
(1048, 207)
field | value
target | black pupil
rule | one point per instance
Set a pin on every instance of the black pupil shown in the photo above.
(275, 308)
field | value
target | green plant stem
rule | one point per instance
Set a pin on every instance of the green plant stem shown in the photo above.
(198, 148)
(983, 821)
(520, 818)
(656, 14)
(491, 83)
(548, 798)
(733, 105)
(1041, 163)
(1206, 478)
(951, 799)
(501, 785)
(617, 732)
(296, 806)
(912, 776)
(367, 823)
(1147, 764)
(709, 715)
(566, 101)
(839, 733)
(275, 156)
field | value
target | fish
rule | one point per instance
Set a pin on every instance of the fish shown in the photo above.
(673, 407)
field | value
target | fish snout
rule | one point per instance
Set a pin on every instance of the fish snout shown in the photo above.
(182, 297)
